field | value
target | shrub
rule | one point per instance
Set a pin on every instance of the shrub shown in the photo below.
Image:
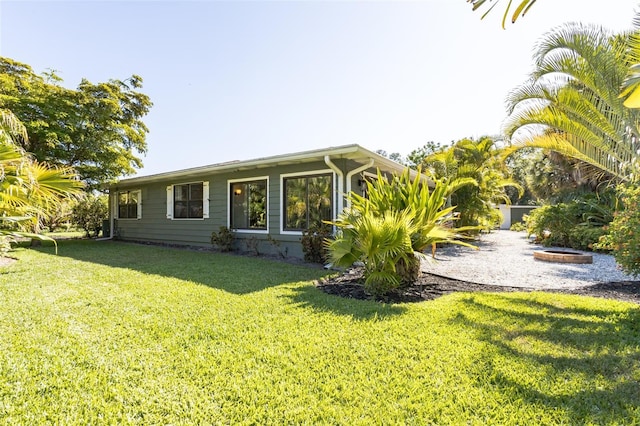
(313, 246)
(578, 223)
(380, 242)
(89, 212)
(518, 227)
(223, 239)
(624, 232)
(374, 231)
(551, 224)
(586, 237)
(253, 245)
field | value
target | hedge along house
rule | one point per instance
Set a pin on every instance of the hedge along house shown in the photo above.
(267, 201)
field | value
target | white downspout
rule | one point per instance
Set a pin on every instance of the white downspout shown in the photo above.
(114, 209)
(353, 172)
(111, 218)
(340, 189)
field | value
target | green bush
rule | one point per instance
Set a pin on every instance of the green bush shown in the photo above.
(89, 212)
(223, 239)
(624, 232)
(313, 246)
(518, 227)
(552, 224)
(578, 223)
(586, 237)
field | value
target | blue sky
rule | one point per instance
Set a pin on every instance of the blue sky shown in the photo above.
(246, 79)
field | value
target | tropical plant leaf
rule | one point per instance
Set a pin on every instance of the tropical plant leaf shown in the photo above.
(571, 104)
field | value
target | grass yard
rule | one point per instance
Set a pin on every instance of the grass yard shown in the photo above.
(110, 333)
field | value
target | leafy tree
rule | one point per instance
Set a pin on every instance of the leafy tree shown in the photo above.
(394, 156)
(89, 212)
(549, 177)
(571, 103)
(29, 190)
(60, 216)
(417, 156)
(97, 128)
(521, 166)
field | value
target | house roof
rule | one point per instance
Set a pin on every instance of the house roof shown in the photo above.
(351, 152)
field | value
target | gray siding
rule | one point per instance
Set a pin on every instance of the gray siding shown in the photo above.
(155, 227)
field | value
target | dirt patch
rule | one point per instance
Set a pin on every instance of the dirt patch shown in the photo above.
(6, 261)
(430, 286)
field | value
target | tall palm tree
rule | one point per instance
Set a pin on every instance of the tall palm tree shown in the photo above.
(571, 103)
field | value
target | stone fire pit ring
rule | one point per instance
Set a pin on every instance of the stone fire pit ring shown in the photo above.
(562, 256)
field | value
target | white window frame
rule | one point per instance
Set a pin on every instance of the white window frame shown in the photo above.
(249, 179)
(307, 173)
(139, 211)
(205, 200)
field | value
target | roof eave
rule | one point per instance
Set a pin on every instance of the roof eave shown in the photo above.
(353, 152)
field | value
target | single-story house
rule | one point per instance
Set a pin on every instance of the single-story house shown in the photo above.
(267, 200)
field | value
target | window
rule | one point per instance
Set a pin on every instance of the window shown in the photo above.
(188, 201)
(307, 201)
(248, 204)
(129, 206)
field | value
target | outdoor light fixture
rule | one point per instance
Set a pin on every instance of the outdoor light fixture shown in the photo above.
(237, 191)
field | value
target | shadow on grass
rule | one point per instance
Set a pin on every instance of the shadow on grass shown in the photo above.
(598, 347)
(229, 272)
(315, 299)
(232, 273)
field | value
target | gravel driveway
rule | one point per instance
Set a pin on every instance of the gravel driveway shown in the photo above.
(506, 258)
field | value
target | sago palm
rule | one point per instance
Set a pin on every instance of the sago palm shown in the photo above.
(571, 103)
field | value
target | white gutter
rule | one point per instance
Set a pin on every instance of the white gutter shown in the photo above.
(353, 172)
(340, 186)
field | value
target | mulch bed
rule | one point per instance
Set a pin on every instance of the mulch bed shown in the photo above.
(430, 286)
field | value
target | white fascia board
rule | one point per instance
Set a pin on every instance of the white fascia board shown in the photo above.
(352, 152)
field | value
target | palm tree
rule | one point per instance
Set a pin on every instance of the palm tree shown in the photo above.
(28, 190)
(571, 103)
(631, 84)
(478, 179)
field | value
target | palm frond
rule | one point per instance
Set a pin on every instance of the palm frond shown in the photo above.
(519, 11)
(582, 107)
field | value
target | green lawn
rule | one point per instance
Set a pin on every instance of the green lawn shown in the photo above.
(111, 333)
